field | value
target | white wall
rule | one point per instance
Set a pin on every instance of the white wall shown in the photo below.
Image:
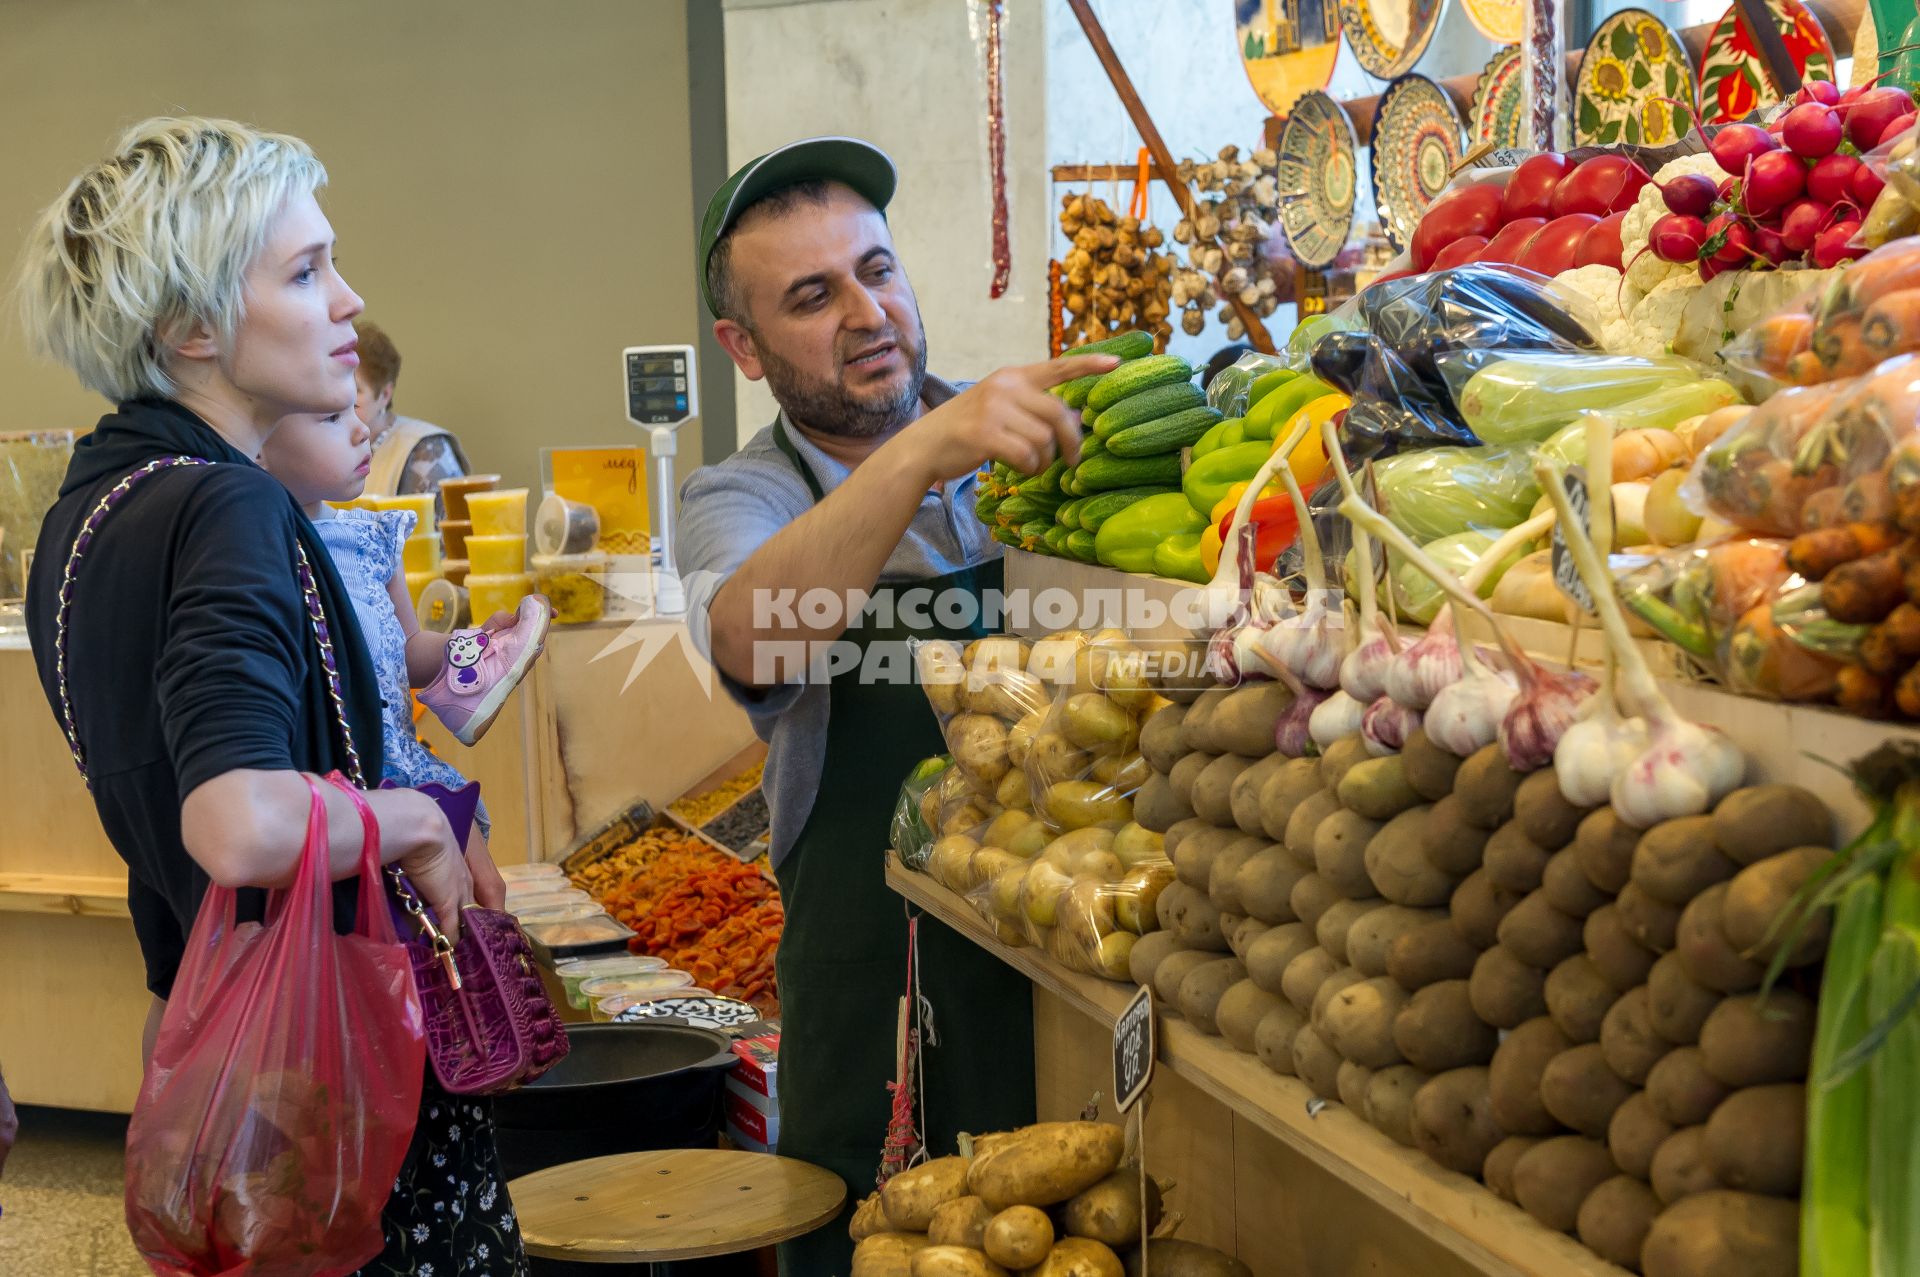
(905, 75)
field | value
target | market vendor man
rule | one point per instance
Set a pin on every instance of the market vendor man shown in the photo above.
(864, 482)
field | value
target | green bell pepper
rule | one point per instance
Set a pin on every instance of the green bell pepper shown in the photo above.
(1206, 482)
(1266, 383)
(1276, 410)
(1130, 539)
(1215, 436)
(1178, 557)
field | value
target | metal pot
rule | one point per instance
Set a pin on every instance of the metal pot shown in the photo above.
(622, 1088)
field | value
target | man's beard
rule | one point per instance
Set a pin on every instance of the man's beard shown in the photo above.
(830, 408)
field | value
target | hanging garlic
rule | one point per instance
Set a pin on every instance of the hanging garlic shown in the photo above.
(1363, 673)
(1335, 718)
(1293, 730)
(1686, 767)
(1547, 702)
(1465, 716)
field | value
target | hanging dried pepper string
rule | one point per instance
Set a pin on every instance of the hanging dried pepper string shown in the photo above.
(1056, 310)
(997, 151)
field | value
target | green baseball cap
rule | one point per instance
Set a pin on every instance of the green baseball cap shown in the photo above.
(860, 165)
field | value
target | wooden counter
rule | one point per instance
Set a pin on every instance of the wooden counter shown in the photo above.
(582, 740)
(1290, 1185)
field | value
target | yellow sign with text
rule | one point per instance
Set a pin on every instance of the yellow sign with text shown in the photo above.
(614, 482)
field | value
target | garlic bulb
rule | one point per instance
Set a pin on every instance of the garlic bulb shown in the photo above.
(1292, 731)
(1335, 718)
(1685, 768)
(1416, 675)
(1544, 708)
(1386, 725)
(1598, 747)
(1313, 643)
(1465, 715)
(1363, 673)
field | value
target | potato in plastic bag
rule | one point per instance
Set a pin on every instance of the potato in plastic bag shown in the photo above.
(916, 812)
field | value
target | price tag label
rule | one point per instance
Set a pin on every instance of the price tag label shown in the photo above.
(1565, 574)
(1133, 1051)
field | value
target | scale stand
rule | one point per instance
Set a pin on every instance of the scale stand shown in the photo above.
(662, 396)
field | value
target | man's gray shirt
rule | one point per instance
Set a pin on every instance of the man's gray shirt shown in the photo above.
(729, 510)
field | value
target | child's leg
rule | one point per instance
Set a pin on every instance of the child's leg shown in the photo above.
(489, 888)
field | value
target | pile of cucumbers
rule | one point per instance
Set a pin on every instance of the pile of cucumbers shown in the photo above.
(1138, 417)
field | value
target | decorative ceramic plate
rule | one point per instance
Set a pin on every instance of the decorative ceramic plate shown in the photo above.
(1636, 84)
(1499, 112)
(1317, 175)
(1733, 75)
(1416, 147)
(1288, 47)
(1498, 20)
(703, 1012)
(1388, 36)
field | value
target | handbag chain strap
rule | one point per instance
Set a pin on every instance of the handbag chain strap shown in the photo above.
(323, 639)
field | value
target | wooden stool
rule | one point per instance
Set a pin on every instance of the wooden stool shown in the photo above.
(653, 1208)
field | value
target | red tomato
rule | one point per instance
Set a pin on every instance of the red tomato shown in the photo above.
(1530, 189)
(1460, 252)
(1511, 241)
(1600, 246)
(1604, 184)
(1471, 210)
(1553, 246)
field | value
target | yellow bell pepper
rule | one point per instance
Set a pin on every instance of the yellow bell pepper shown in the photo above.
(1226, 504)
(1210, 549)
(1308, 461)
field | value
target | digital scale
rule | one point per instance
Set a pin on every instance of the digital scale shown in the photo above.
(662, 386)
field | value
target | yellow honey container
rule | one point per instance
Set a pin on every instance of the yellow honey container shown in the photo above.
(496, 555)
(502, 512)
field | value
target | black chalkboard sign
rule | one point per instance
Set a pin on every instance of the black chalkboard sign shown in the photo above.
(1133, 1051)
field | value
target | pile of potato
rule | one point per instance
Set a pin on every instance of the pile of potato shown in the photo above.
(1052, 1200)
(1036, 815)
(1529, 992)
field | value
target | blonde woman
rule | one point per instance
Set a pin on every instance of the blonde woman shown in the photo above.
(189, 279)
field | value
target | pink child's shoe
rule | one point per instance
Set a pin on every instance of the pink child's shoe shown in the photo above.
(482, 669)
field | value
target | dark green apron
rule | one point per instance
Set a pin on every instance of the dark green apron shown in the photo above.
(842, 963)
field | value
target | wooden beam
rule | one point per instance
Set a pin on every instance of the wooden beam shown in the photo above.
(1256, 332)
(1103, 172)
(79, 895)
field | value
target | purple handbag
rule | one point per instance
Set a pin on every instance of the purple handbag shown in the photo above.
(490, 1024)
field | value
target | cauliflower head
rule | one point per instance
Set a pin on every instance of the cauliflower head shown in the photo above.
(1655, 322)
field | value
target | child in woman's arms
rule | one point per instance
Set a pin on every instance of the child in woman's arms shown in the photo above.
(465, 677)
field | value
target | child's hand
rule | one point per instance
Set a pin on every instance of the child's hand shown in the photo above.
(489, 888)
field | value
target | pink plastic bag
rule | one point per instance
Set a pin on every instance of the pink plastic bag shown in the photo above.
(284, 1086)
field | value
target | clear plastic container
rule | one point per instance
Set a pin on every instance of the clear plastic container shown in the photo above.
(489, 594)
(443, 606)
(496, 556)
(561, 526)
(633, 988)
(577, 971)
(454, 571)
(568, 911)
(417, 582)
(598, 930)
(499, 513)
(455, 491)
(531, 869)
(421, 503)
(625, 1004)
(454, 534)
(576, 585)
(536, 901)
(421, 553)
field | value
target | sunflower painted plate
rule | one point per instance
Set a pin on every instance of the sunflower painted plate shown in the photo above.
(1317, 175)
(1498, 20)
(1287, 47)
(1416, 147)
(1636, 84)
(1733, 75)
(1388, 36)
(1499, 111)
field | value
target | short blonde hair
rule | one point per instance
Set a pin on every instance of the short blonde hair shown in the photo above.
(153, 239)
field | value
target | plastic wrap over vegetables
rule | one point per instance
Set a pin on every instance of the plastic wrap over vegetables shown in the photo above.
(1525, 397)
(1440, 491)
(1229, 392)
(1392, 368)
(1813, 456)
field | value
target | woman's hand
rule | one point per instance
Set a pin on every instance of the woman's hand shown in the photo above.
(489, 888)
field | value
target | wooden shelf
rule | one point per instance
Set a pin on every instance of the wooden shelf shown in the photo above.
(1457, 1213)
(80, 895)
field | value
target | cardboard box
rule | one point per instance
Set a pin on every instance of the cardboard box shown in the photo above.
(758, 1069)
(750, 1099)
(748, 1126)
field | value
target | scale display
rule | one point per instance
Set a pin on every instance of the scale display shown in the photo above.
(660, 383)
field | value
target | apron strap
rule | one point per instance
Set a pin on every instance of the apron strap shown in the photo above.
(784, 442)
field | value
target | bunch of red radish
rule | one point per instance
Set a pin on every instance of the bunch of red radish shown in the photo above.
(1795, 190)
(1552, 216)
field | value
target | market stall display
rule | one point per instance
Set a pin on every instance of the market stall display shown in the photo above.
(1636, 84)
(1236, 206)
(1733, 76)
(1388, 36)
(1116, 277)
(1499, 111)
(1318, 179)
(1416, 147)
